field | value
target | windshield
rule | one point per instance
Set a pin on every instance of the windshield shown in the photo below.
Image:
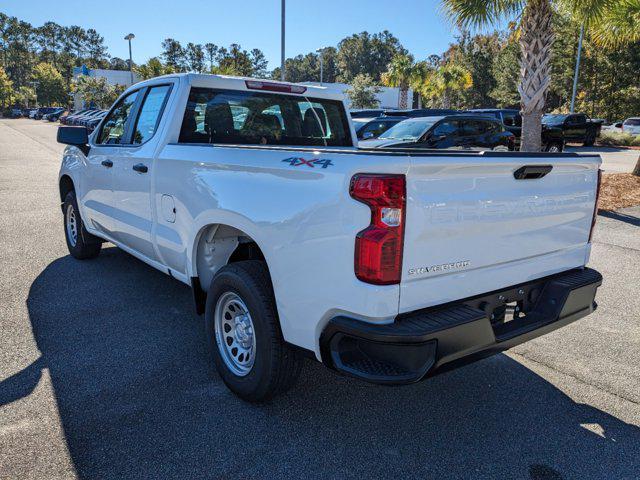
(553, 119)
(411, 129)
(358, 123)
(632, 122)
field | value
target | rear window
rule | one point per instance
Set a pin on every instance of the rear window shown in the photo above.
(259, 118)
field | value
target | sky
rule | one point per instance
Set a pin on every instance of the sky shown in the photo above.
(419, 25)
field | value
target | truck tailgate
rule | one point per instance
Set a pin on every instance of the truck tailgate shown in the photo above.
(472, 227)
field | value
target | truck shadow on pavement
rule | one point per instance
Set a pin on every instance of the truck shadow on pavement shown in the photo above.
(136, 399)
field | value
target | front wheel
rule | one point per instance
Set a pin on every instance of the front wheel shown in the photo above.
(243, 334)
(81, 244)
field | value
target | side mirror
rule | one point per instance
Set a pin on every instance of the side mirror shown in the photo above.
(367, 135)
(618, 125)
(77, 136)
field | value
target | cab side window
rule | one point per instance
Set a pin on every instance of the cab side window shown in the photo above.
(447, 128)
(473, 127)
(150, 113)
(113, 127)
(512, 119)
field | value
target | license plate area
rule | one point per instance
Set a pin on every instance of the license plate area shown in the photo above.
(510, 310)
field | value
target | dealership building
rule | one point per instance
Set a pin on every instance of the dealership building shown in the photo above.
(112, 77)
(388, 97)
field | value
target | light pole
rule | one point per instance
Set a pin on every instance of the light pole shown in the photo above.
(575, 75)
(320, 52)
(282, 22)
(130, 37)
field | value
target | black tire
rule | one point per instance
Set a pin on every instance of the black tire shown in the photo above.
(590, 140)
(554, 147)
(276, 366)
(84, 245)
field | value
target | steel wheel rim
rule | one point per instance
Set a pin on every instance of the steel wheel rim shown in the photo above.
(235, 334)
(72, 226)
(554, 149)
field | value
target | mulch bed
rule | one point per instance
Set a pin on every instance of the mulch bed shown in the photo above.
(619, 190)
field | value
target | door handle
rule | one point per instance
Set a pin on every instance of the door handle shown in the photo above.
(141, 168)
(107, 163)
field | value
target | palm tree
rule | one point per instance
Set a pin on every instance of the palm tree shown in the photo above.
(402, 73)
(536, 38)
(442, 82)
(619, 24)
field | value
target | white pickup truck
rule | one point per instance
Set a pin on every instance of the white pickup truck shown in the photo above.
(389, 266)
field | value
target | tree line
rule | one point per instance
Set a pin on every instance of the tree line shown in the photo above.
(477, 70)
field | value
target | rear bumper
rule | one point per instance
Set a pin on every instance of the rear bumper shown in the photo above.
(426, 342)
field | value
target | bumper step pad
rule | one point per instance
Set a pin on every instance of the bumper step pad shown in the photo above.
(426, 342)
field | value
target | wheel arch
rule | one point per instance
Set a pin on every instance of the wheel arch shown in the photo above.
(65, 185)
(216, 245)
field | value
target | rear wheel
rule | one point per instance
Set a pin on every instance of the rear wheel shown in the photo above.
(81, 244)
(590, 140)
(243, 334)
(555, 147)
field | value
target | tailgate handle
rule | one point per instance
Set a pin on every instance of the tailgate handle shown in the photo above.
(532, 172)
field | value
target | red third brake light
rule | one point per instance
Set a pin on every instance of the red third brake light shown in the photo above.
(378, 252)
(274, 87)
(595, 208)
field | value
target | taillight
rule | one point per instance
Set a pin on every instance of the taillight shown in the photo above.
(595, 208)
(378, 255)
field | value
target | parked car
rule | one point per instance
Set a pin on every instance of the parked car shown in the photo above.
(631, 126)
(33, 112)
(552, 137)
(71, 118)
(65, 119)
(80, 119)
(54, 115)
(451, 132)
(576, 127)
(369, 128)
(15, 113)
(420, 112)
(613, 127)
(385, 265)
(42, 111)
(93, 122)
(93, 119)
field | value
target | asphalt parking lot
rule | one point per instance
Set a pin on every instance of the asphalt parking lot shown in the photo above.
(103, 374)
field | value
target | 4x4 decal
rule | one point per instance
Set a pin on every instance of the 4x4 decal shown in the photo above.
(299, 161)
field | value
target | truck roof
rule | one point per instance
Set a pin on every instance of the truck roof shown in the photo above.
(240, 83)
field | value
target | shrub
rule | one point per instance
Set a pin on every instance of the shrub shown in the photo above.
(615, 139)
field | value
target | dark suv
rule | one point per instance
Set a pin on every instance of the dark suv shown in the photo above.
(453, 132)
(576, 127)
(367, 129)
(552, 137)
